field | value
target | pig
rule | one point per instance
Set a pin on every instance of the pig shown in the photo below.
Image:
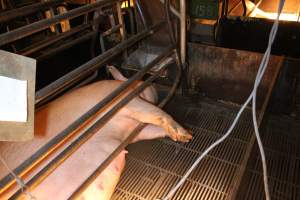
(58, 114)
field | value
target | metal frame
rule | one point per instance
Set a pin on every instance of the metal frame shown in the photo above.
(183, 26)
(66, 82)
(30, 29)
(88, 132)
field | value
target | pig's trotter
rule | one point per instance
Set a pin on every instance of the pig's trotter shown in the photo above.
(177, 132)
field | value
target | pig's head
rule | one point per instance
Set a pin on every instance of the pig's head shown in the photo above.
(149, 94)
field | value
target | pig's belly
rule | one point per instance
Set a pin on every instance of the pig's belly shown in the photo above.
(71, 174)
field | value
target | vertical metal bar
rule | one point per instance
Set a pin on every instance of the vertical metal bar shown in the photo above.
(141, 11)
(122, 28)
(244, 8)
(121, 21)
(183, 32)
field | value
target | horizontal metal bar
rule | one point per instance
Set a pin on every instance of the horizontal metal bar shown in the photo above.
(26, 10)
(132, 135)
(49, 41)
(67, 80)
(67, 45)
(90, 131)
(35, 27)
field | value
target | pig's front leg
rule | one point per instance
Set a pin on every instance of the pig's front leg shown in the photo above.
(145, 112)
(150, 132)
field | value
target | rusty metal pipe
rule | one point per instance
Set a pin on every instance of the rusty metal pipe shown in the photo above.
(24, 31)
(67, 80)
(90, 131)
(27, 10)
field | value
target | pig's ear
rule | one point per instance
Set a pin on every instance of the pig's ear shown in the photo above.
(116, 73)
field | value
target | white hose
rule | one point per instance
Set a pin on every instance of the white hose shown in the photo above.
(260, 73)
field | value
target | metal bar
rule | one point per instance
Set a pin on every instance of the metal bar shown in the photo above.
(140, 11)
(226, 7)
(112, 30)
(173, 10)
(122, 28)
(255, 7)
(131, 19)
(183, 32)
(40, 45)
(121, 21)
(244, 8)
(132, 135)
(35, 158)
(67, 45)
(90, 131)
(67, 80)
(43, 24)
(26, 10)
(223, 8)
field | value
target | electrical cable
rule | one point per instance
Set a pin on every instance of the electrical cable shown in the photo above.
(252, 97)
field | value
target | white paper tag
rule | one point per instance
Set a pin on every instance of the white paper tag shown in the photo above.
(13, 99)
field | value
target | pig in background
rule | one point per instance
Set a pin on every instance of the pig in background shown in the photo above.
(60, 113)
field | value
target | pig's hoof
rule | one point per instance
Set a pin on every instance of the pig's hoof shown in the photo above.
(184, 137)
(177, 133)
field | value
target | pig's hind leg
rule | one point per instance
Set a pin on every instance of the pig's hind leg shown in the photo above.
(145, 112)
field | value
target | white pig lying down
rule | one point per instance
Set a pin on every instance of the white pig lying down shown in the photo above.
(57, 115)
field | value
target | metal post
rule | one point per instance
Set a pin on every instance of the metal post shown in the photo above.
(183, 32)
(141, 11)
(121, 21)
